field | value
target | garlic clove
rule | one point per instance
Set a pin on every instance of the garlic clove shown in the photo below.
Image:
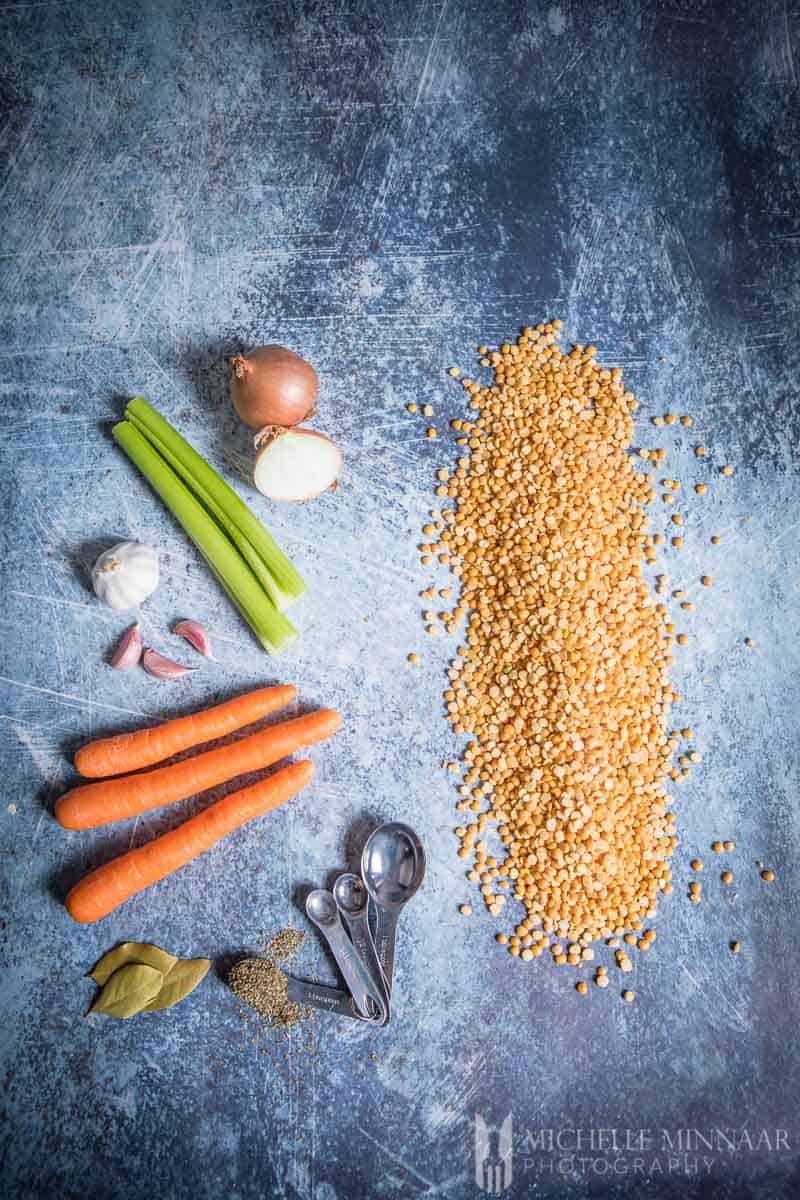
(163, 668)
(195, 635)
(129, 649)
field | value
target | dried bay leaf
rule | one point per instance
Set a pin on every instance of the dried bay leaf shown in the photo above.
(132, 952)
(128, 991)
(182, 979)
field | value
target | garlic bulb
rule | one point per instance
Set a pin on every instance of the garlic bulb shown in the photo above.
(125, 575)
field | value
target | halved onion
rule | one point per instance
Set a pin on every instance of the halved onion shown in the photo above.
(296, 464)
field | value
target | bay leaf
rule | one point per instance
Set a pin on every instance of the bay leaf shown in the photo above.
(128, 991)
(132, 952)
(182, 979)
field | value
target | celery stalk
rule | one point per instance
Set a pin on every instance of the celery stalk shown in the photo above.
(267, 561)
(271, 627)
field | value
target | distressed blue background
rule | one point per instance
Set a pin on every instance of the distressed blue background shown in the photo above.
(382, 186)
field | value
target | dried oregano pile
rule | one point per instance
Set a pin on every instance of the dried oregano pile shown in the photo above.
(261, 984)
(563, 675)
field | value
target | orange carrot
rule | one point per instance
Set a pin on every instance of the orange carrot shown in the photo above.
(93, 804)
(100, 892)
(132, 751)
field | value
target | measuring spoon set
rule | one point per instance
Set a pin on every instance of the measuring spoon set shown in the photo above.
(358, 920)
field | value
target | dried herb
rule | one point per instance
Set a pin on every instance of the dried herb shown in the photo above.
(128, 990)
(132, 952)
(262, 985)
(182, 979)
(137, 977)
(284, 945)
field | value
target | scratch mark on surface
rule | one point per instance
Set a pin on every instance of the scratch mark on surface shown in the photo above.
(133, 832)
(691, 976)
(37, 830)
(740, 1019)
(45, 758)
(397, 1158)
(82, 700)
(570, 66)
(785, 49)
(423, 79)
(782, 534)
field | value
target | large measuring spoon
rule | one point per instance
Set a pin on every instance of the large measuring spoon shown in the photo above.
(352, 900)
(321, 909)
(392, 867)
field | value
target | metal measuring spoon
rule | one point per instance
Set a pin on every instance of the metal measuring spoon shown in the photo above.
(322, 910)
(392, 867)
(352, 900)
(319, 995)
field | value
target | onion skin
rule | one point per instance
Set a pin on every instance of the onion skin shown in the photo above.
(273, 386)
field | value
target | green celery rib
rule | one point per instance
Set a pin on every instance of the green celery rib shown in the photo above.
(271, 627)
(268, 562)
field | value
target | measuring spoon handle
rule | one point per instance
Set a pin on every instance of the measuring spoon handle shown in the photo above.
(368, 1001)
(361, 935)
(385, 938)
(320, 995)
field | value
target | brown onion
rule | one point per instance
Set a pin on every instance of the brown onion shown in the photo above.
(273, 386)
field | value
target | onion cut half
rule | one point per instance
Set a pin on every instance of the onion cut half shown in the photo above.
(295, 464)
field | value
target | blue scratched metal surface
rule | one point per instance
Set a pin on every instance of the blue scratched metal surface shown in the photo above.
(382, 187)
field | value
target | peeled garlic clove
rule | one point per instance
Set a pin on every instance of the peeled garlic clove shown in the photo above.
(195, 635)
(163, 668)
(129, 650)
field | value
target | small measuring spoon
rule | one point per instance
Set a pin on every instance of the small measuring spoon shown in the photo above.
(352, 900)
(392, 867)
(321, 909)
(319, 995)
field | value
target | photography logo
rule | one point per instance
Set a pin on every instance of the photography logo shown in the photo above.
(493, 1156)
